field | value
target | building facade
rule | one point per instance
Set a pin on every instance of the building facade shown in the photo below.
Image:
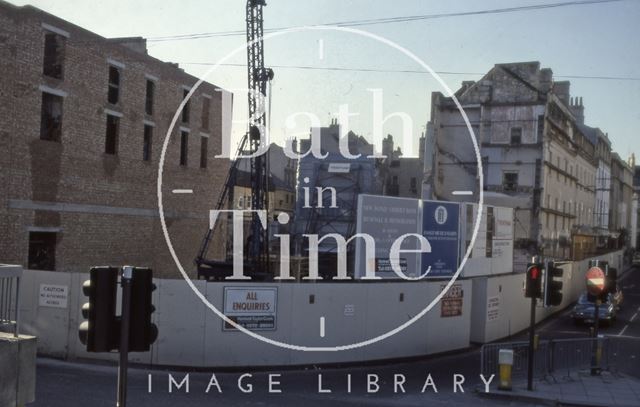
(621, 197)
(535, 157)
(401, 176)
(83, 129)
(603, 182)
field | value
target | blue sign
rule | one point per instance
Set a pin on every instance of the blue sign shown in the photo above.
(441, 227)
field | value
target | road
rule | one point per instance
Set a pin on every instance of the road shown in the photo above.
(63, 384)
(626, 327)
(70, 384)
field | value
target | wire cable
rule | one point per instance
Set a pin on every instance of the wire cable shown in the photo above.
(390, 20)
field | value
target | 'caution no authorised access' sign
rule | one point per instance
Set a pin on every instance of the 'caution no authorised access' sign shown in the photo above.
(55, 296)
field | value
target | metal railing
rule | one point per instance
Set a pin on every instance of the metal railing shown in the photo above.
(489, 358)
(559, 356)
(10, 297)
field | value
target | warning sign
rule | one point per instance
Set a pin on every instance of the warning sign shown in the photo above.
(493, 308)
(55, 296)
(451, 304)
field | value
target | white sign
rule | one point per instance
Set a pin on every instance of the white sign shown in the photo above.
(493, 308)
(386, 219)
(253, 308)
(503, 218)
(339, 167)
(349, 310)
(55, 296)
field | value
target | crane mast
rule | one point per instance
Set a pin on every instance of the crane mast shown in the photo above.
(257, 249)
(258, 76)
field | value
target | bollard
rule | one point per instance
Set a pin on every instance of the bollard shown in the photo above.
(505, 361)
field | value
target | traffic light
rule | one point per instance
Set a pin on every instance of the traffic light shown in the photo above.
(100, 330)
(553, 285)
(533, 281)
(142, 333)
(611, 280)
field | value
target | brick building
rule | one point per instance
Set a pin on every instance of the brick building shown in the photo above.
(84, 120)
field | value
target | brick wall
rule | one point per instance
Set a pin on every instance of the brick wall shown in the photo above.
(104, 207)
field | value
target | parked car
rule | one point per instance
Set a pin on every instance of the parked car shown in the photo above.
(584, 310)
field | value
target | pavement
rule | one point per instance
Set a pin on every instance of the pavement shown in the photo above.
(578, 389)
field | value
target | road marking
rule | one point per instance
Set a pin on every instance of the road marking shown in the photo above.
(462, 193)
(322, 327)
(623, 329)
(182, 191)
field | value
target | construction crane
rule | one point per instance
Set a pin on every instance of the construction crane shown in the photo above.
(256, 254)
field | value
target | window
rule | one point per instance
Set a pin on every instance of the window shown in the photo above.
(395, 180)
(42, 251)
(148, 100)
(206, 107)
(51, 117)
(540, 128)
(146, 143)
(414, 184)
(114, 85)
(53, 55)
(516, 136)
(184, 147)
(204, 141)
(111, 142)
(185, 109)
(510, 181)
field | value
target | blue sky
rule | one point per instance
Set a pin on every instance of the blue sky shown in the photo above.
(585, 40)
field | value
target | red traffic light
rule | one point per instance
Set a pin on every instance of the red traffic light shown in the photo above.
(534, 272)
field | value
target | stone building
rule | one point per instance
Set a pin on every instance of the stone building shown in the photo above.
(621, 198)
(603, 181)
(327, 193)
(535, 157)
(84, 122)
(401, 176)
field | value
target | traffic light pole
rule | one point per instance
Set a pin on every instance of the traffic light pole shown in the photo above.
(595, 368)
(532, 328)
(127, 273)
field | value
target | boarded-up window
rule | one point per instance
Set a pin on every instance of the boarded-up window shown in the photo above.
(516, 135)
(510, 181)
(111, 140)
(184, 147)
(51, 117)
(204, 142)
(206, 106)
(185, 109)
(42, 251)
(146, 142)
(148, 101)
(53, 55)
(114, 85)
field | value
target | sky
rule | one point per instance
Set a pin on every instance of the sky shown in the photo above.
(589, 40)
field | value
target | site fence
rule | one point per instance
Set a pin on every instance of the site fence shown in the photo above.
(10, 297)
(561, 357)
